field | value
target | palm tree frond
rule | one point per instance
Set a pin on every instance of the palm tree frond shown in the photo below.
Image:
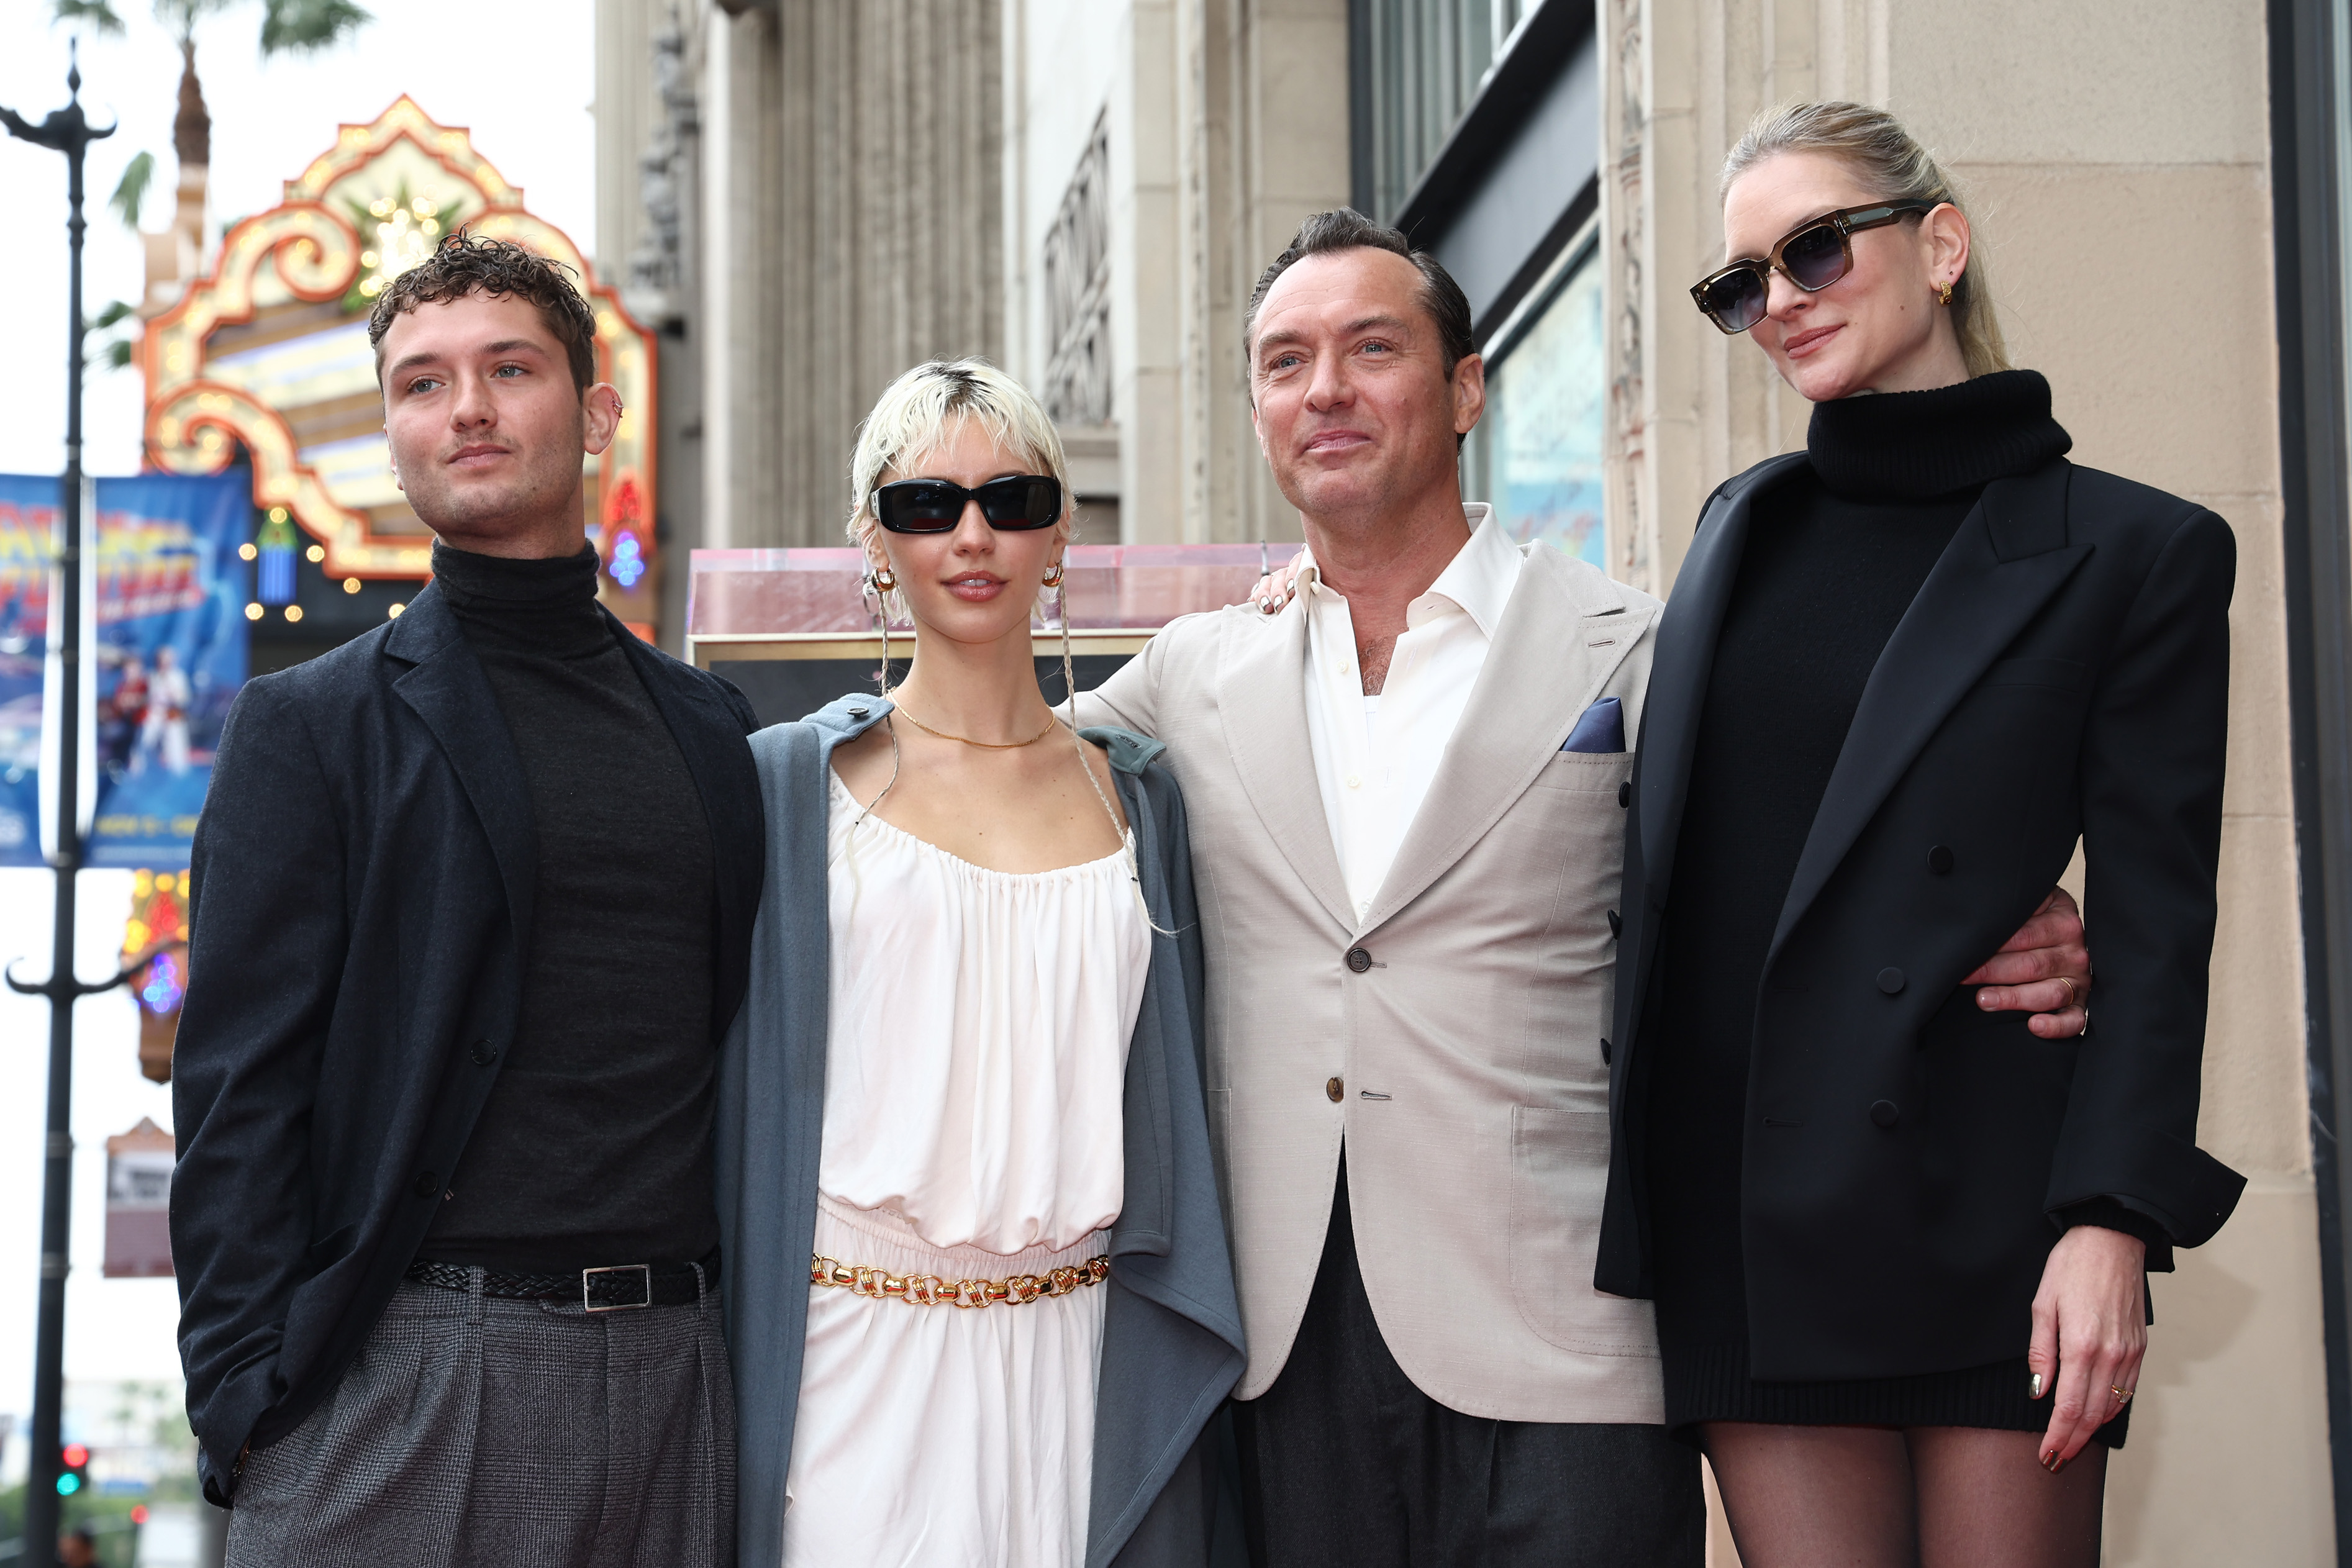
(308, 25)
(118, 354)
(131, 189)
(114, 312)
(99, 16)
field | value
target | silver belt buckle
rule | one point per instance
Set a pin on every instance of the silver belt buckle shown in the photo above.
(645, 1272)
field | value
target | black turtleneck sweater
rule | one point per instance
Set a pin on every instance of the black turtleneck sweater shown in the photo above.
(594, 1145)
(1835, 555)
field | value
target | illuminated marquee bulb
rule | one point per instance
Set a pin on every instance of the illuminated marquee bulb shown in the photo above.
(406, 230)
(275, 545)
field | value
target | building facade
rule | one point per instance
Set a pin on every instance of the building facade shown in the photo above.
(1085, 189)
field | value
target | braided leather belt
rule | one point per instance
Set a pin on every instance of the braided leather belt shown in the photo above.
(620, 1288)
(931, 1291)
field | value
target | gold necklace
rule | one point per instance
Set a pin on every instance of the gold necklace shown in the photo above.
(984, 744)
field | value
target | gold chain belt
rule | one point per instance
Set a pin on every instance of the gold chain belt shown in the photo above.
(931, 1291)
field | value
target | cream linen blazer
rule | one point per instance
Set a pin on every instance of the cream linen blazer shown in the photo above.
(1460, 1056)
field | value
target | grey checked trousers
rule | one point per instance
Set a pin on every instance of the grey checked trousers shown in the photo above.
(475, 1431)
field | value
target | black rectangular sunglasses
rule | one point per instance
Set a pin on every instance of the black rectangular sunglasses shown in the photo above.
(1016, 502)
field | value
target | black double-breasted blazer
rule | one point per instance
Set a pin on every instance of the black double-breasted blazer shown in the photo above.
(2064, 673)
(364, 874)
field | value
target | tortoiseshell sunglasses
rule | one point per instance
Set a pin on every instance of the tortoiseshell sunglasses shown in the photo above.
(1813, 255)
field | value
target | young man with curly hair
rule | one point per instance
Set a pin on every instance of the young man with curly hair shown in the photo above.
(475, 895)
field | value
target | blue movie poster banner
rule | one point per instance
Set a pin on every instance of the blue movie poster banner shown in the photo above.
(170, 651)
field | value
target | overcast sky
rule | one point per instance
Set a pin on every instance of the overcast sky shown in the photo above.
(523, 79)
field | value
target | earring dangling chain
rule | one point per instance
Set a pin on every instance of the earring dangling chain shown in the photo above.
(881, 580)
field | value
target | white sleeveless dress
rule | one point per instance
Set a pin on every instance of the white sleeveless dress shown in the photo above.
(974, 1069)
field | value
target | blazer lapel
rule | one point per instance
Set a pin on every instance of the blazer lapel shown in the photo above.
(2009, 558)
(1684, 661)
(1550, 657)
(447, 690)
(1147, 1220)
(1263, 698)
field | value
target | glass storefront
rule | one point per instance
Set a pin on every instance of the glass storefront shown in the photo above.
(1535, 456)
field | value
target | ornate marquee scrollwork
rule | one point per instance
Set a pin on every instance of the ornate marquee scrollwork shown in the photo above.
(196, 420)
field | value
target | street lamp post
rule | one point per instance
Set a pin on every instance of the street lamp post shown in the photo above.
(66, 130)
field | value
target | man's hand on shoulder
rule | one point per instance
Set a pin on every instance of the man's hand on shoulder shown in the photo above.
(2044, 969)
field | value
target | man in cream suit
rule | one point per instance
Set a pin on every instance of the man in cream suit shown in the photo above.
(1406, 792)
(1406, 874)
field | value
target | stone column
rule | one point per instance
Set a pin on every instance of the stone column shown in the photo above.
(887, 250)
(1689, 407)
(742, 315)
(1290, 159)
(624, 113)
(1234, 115)
(650, 68)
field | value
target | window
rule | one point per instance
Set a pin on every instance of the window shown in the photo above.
(1425, 61)
(1536, 455)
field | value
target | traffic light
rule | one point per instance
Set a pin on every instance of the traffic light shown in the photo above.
(73, 1469)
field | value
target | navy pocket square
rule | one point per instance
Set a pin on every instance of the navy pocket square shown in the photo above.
(1600, 728)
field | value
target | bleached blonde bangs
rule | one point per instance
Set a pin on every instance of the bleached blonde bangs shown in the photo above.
(914, 416)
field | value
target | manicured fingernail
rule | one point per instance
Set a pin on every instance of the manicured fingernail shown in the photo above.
(2034, 1383)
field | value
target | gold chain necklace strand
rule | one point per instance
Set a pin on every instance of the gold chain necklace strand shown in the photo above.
(984, 744)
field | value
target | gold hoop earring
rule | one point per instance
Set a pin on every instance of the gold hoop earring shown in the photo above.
(885, 579)
(1054, 575)
(1944, 294)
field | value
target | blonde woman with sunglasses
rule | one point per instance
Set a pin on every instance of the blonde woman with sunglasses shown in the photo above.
(980, 1300)
(1899, 1244)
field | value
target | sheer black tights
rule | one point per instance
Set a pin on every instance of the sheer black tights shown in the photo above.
(1919, 1497)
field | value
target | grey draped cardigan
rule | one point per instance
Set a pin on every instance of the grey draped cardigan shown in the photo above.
(1173, 1332)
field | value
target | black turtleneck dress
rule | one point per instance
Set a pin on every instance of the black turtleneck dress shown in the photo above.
(1835, 555)
(593, 1147)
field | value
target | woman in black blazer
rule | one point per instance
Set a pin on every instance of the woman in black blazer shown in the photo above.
(1897, 1243)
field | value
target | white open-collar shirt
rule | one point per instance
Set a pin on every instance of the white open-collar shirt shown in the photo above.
(1375, 756)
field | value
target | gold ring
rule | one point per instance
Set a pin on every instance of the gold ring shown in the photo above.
(2073, 997)
(2122, 1395)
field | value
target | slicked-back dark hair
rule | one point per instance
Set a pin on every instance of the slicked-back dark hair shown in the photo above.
(1345, 228)
(468, 264)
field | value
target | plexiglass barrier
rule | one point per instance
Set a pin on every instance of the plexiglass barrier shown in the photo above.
(795, 628)
(744, 601)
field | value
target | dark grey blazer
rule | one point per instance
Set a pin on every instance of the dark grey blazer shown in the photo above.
(1172, 1335)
